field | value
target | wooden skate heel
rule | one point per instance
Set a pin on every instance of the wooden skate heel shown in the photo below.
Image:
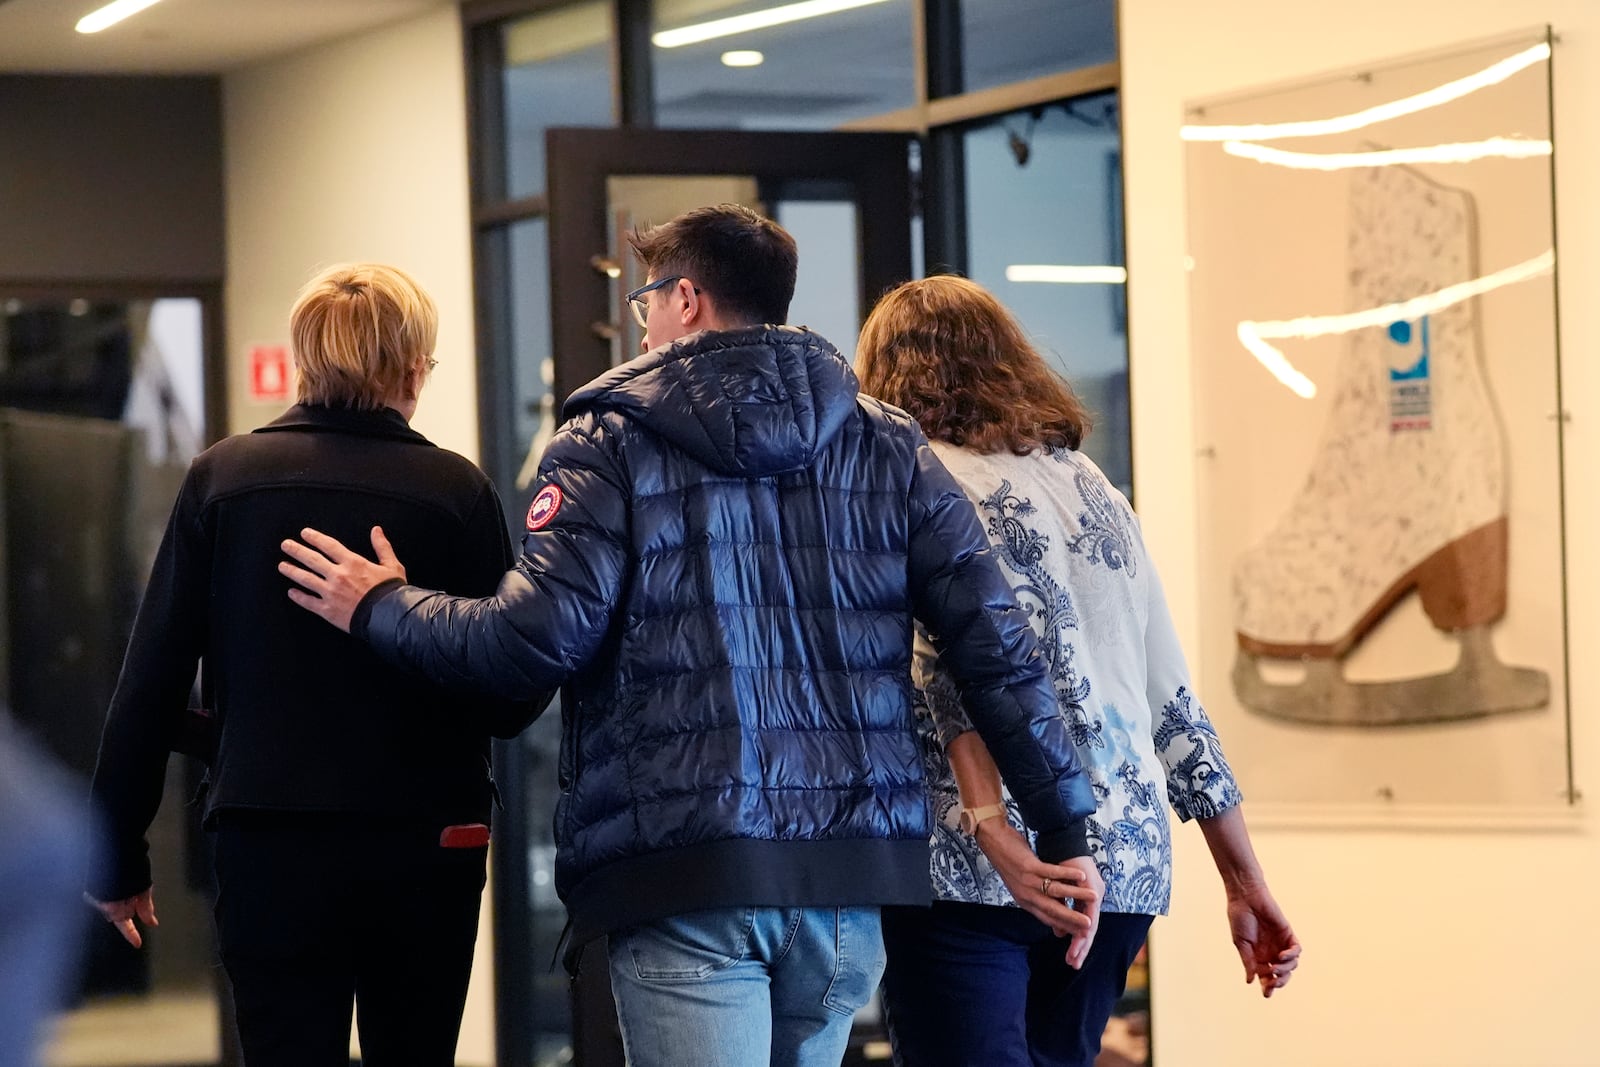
(1464, 583)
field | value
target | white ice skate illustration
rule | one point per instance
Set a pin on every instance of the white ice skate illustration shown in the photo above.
(1407, 490)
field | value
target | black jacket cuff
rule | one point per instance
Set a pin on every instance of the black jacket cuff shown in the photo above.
(127, 875)
(363, 613)
(1065, 844)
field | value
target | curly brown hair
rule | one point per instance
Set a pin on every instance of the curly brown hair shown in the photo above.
(950, 354)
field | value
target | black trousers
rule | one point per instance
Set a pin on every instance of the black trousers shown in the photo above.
(314, 912)
(969, 985)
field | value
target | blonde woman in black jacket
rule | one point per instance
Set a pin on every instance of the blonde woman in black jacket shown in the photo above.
(350, 801)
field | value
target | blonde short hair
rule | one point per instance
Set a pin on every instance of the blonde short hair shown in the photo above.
(360, 331)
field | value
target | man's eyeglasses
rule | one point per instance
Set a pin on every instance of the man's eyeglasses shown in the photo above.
(641, 306)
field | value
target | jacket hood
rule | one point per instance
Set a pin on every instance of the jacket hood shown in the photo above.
(755, 401)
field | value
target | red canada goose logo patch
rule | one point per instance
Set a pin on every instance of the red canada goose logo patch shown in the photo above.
(544, 507)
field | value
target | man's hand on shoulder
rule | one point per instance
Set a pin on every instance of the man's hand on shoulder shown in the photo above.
(332, 578)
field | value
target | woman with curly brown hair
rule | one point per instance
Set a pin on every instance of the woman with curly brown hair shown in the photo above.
(981, 977)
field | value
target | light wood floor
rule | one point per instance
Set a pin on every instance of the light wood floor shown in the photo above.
(137, 1032)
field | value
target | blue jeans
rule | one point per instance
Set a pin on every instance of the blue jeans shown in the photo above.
(744, 987)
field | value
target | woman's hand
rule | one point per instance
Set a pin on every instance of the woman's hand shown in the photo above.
(1042, 889)
(121, 913)
(1078, 951)
(1267, 946)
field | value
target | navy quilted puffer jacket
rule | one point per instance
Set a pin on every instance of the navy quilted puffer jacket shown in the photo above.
(724, 557)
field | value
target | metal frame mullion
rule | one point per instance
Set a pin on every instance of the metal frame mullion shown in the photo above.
(633, 64)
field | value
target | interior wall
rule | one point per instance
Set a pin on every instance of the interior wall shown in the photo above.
(1459, 944)
(110, 179)
(357, 150)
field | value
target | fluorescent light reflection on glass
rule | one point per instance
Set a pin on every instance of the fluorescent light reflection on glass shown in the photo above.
(755, 20)
(1443, 94)
(743, 58)
(1253, 335)
(1065, 274)
(112, 14)
(1465, 152)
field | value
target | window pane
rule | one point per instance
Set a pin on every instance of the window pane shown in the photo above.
(550, 1009)
(1004, 41)
(1060, 208)
(813, 74)
(522, 407)
(532, 369)
(102, 406)
(827, 291)
(557, 73)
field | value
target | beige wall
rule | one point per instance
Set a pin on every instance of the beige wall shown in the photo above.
(357, 150)
(1442, 946)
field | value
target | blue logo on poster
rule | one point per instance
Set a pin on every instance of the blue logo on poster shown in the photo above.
(1411, 389)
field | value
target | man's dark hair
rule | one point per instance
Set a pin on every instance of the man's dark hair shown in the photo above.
(745, 261)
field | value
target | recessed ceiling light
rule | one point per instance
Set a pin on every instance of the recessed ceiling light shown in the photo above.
(112, 14)
(743, 58)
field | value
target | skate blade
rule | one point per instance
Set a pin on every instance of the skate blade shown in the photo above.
(1477, 686)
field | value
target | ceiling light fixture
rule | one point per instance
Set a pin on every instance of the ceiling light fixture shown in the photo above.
(755, 20)
(743, 58)
(112, 14)
(1066, 275)
(1493, 74)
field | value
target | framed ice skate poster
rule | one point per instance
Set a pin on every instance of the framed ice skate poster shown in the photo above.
(1374, 333)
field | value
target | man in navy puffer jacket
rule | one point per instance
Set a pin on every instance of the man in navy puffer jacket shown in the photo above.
(721, 567)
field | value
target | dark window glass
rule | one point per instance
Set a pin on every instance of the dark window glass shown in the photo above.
(530, 414)
(531, 366)
(813, 74)
(549, 989)
(557, 73)
(1044, 191)
(1003, 41)
(102, 406)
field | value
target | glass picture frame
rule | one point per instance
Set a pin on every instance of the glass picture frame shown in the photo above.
(1379, 423)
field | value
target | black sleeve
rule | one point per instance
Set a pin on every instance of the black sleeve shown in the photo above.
(152, 693)
(984, 640)
(550, 613)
